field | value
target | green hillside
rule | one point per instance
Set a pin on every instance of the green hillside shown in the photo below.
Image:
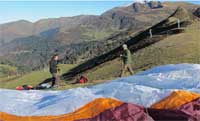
(7, 70)
(32, 78)
(149, 52)
(179, 48)
(169, 45)
(78, 38)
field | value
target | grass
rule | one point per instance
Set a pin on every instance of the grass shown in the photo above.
(6, 70)
(32, 78)
(98, 35)
(179, 48)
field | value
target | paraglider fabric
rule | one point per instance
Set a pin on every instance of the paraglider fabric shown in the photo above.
(168, 90)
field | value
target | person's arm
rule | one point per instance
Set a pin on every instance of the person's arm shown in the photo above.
(59, 61)
(123, 56)
(51, 64)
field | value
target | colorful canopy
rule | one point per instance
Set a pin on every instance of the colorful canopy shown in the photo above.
(175, 100)
(125, 112)
(192, 108)
(172, 90)
(92, 109)
(169, 115)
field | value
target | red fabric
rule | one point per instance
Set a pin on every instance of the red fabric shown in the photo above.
(125, 112)
(192, 109)
(169, 115)
(30, 87)
(19, 88)
(83, 80)
(22, 88)
(131, 112)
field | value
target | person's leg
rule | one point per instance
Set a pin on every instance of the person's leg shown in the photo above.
(130, 69)
(53, 80)
(124, 70)
(57, 79)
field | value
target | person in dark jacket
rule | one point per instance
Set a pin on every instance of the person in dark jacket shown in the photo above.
(127, 60)
(54, 70)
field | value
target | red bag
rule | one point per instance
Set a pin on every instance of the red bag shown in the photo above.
(83, 80)
(19, 88)
(24, 87)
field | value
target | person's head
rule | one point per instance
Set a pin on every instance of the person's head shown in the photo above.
(55, 57)
(124, 46)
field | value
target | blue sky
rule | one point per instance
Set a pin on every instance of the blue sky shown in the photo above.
(35, 10)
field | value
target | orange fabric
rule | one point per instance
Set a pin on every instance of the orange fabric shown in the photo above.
(90, 110)
(175, 100)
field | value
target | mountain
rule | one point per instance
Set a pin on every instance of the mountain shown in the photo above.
(149, 52)
(20, 29)
(117, 18)
(10, 31)
(79, 38)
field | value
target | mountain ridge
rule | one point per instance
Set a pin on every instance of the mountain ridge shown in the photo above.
(86, 38)
(140, 41)
(52, 23)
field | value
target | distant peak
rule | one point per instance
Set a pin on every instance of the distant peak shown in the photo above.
(154, 4)
(145, 1)
(24, 21)
(142, 5)
(18, 21)
(141, 1)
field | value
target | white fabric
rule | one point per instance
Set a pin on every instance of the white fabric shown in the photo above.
(144, 89)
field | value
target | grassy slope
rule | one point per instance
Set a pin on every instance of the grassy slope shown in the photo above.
(6, 70)
(32, 78)
(180, 48)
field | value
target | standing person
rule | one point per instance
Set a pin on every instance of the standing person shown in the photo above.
(54, 70)
(127, 60)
